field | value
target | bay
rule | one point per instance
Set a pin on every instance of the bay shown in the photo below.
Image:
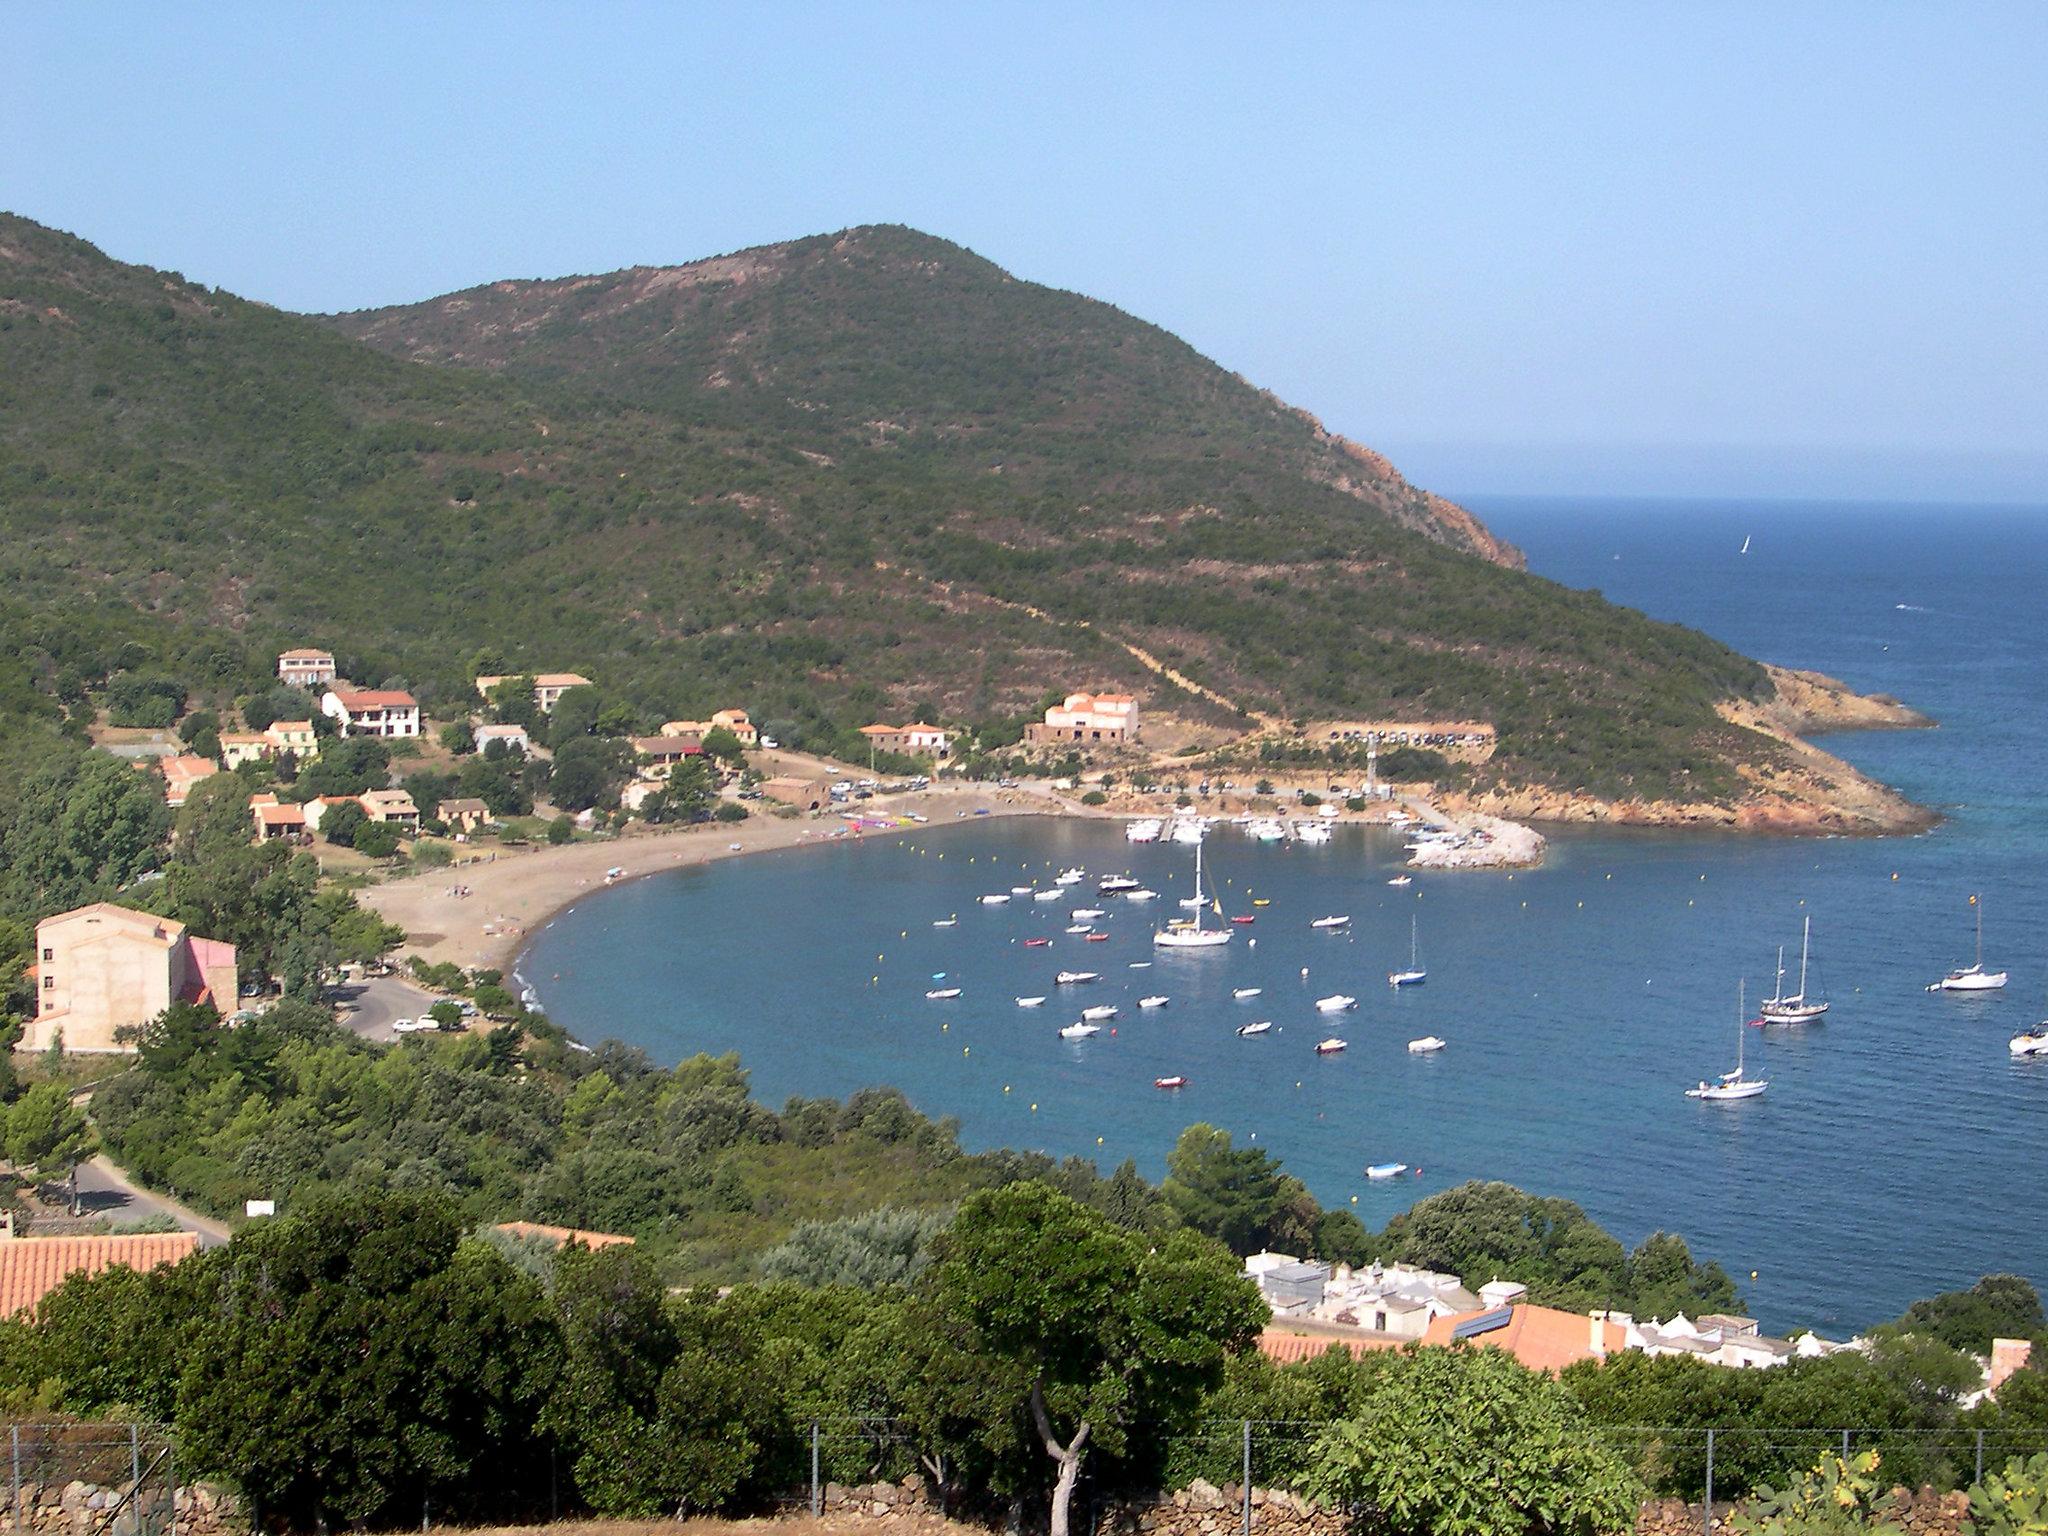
(1899, 1147)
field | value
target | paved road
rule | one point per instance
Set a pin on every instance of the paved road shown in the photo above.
(104, 1190)
(370, 1007)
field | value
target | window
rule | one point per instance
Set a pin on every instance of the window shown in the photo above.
(49, 983)
(49, 953)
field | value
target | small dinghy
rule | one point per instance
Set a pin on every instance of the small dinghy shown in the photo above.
(946, 922)
(1036, 943)
(1263, 1027)
(1070, 978)
(1386, 1170)
(941, 994)
(1244, 922)
(1175, 1081)
(1079, 1031)
(1329, 923)
(994, 901)
(1244, 992)
(1079, 928)
(1086, 914)
(1426, 1044)
(1331, 1046)
(1160, 1000)
(1141, 895)
(1098, 938)
(1030, 1002)
(1045, 896)
(1399, 881)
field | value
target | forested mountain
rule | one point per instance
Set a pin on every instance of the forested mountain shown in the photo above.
(845, 476)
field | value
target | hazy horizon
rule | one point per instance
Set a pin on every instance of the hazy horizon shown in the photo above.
(1612, 250)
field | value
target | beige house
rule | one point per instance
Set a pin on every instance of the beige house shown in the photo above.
(388, 712)
(306, 669)
(462, 815)
(734, 720)
(548, 687)
(513, 736)
(662, 753)
(392, 805)
(101, 968)
(294, 736)
(317, 808)
(239, 747)
(1090, 719)
(275, 818)
(181, 773)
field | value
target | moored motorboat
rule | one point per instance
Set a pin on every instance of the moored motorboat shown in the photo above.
(1105, 1011)
(1400, 880)
(1312, 831)
(1030, 1002)
(1244, 920)
(1426, 1044)
(946, 922)
(1337, 1002)
(1143, 831)
(1157, 1000)
(1071, 876)
(942, 994)
(1020, 890)
(1331, 1046)
(1074, 978)
(1084, 914)
(1242, 993)
(1385, 1170)
(1141, 894)
(1098, 938)
(1261, 1027)
(1262, 901)
(2033, 1042)
(1036, 943)
(1115, 884)
(1175, 1081)
(1328, 923)
(1079, 1031)
(994, 901)
(1046, 895)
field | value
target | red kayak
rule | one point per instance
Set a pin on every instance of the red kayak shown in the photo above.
(1098, 938)
(1036, 943)
(1244, 921)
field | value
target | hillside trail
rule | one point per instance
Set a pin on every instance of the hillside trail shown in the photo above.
(1141, 656)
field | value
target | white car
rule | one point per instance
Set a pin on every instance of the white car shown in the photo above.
(413, 1026)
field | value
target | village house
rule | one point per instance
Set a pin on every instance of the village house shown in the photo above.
(462, 815)
(305, 669)
(275, 818)
(659, 754)
(733, 720)
(918, 740)
(102, 968)
(513, 737)
(1089, 719)
(1396, 1299)
(294, 736)
(386, 712)
(317, 808)
(181, 773)
(32, 1267)
(548, 687)
(392, 805)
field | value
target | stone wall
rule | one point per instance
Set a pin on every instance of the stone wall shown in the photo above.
(81, 1509)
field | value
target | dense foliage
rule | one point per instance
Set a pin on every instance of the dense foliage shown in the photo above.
(832, 490)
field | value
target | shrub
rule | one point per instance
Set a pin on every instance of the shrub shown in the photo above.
(560, 830)
(2013, 1502)
(1095, 797)
(1837, 1498)
(729, 810)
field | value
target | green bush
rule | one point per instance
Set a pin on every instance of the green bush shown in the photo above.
(2013, 1502)
(1095, 797)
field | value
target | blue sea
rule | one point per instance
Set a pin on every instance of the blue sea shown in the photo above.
(1899, 1150)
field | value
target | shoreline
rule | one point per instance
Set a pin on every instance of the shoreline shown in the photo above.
(517, 893)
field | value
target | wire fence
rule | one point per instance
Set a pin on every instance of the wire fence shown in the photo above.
(836, 1460)
(92, 1480)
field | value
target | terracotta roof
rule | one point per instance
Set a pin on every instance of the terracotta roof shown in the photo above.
(32, 1267)
(561, 1236)
(280, 815)
(353, 699)
(305, 655)
(1284, 1348)
(938, 730)
(1542, 1338)
(300, 726)
(561, 680)
(883, 730)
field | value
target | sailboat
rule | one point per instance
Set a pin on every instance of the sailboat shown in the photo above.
(1798, 1008)
(1737, 1084)
(1193, 935)
(1415, 973)
(1972, 978)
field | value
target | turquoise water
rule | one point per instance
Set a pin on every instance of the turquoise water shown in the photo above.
(1898, 1152)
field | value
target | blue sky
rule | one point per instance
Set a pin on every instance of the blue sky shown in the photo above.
(1638, 248)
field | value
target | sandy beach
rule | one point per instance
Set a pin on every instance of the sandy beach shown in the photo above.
(513, 892)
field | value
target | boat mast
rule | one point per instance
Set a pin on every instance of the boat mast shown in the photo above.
(1741, 1024)
(1779, 995)
(1805, 942)
(1980, 931)
(1199, 898)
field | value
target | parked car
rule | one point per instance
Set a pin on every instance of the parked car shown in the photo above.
(412, 1026)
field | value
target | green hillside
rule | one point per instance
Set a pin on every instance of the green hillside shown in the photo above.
(824, 479)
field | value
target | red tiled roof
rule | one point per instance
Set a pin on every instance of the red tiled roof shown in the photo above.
(32, 1267)
(280, 815)
(1285, 1348)
(305, 655)
(562, 1236)
(883, 730)
(1542, 1338)
(375, 698)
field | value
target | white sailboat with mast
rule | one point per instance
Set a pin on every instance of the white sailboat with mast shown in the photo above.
(1737, 1084)
(1193, 935)
(1797, 1008)
(1415, 974)
(1972, 978)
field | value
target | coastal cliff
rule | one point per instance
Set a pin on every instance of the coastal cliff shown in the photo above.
(1792, 787)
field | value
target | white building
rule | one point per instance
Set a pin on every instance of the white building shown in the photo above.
(1089, 719)
(387, 712)
(548, 687)
(511, 735)
(305, 669)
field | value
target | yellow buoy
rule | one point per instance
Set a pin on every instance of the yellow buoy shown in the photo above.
(1098, 1141)
(965, 1049)
(1034, 1109)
